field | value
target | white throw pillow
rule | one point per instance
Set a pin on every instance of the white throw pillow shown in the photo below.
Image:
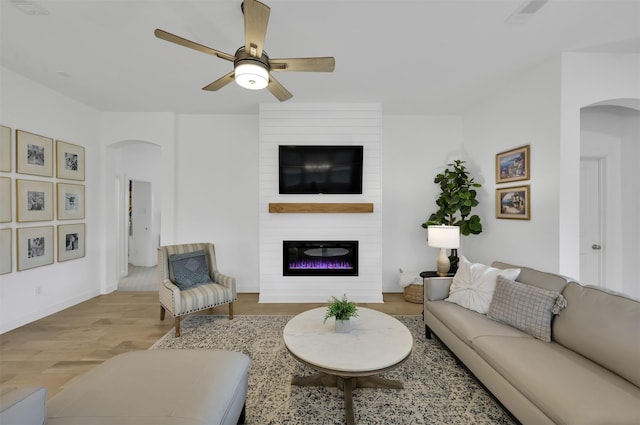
(473, 285)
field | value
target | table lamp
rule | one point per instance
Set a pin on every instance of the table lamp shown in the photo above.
(443, 237)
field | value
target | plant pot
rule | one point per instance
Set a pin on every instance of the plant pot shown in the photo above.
(343, 326)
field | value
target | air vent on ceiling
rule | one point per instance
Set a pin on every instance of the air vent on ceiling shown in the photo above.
(30, 8)
(525, 11)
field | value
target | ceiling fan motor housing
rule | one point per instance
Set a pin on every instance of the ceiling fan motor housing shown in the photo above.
(251, 72)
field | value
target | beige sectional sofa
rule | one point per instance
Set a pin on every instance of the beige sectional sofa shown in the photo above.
(589, 373)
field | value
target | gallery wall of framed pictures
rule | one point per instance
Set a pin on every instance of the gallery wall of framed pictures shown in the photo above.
(42, 200)
(513, 202)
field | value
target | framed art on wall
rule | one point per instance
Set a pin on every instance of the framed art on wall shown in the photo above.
(71, 240)
(5, 149)
(6, 259)
(69, 161)
(35, 247)
(513, 202)
(513, 165)
(34, 154)
(35, 200)
(70, 201)
(6, 213)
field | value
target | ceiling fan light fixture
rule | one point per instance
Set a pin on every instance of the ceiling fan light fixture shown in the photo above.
(251, 76)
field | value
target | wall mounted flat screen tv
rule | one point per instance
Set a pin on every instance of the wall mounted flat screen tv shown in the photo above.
(320, 169)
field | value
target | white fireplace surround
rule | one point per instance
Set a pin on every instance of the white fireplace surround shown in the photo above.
(318, 124)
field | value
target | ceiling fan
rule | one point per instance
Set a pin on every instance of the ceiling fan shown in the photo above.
(252, 67)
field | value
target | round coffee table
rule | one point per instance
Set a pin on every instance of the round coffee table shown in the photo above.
(377, 343)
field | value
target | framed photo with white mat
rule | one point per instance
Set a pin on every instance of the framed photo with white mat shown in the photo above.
(70, 201)
(6, 259)
(35, 247)
(69, 161)
(35, 200)
(6, 211)
(71, 241)
(5, 149)
(34, 154)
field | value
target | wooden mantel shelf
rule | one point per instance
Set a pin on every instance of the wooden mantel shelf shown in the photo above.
(314, 207)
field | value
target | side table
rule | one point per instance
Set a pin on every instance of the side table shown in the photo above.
(433, 273)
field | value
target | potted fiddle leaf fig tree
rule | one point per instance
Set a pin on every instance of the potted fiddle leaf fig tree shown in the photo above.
(455, 203)
(343, 310)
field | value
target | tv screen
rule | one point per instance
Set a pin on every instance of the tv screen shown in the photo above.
(320, 169)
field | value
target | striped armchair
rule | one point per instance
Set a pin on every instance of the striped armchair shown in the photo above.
(181, 303)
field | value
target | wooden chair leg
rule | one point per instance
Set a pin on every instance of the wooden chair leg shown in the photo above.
(230, 311)
(162, 310)
(177, 321)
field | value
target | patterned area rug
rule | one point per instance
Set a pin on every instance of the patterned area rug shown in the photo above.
(436, 389)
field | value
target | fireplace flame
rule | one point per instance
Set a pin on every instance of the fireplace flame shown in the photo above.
(320, 264)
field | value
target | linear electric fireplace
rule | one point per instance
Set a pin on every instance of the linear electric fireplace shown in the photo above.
(320, 258)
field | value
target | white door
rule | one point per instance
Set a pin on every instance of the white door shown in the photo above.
(140, 242)
(592, 250)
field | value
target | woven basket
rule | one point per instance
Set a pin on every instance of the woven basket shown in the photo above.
(413, 293)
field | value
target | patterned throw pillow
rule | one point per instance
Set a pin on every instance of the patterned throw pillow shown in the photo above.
(473, 285)
(525, 307)
(189, 269)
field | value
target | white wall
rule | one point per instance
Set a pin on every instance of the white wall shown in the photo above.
(216, 196)
(31, 107)
(542, 108)
(525, 112)
(414, 150)
(210, 178)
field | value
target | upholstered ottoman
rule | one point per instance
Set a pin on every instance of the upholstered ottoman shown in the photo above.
(177, 387)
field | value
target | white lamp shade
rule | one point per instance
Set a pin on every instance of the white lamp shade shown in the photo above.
(443, 236)
(251, 76)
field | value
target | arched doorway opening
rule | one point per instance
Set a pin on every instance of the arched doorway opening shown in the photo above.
(609, 231)
(135, 176)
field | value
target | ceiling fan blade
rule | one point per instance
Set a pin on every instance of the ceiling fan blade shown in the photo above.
(326, 64)
(220, 82)
(167, 36)
(278, 90)
(256, 18)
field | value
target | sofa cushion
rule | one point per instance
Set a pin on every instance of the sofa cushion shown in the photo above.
(156, 387)
(524, 307)
(544, 280)
(467, 324)
(196, 297)
(603, 327)
(474, 283)
(189, 269)
(567, 387)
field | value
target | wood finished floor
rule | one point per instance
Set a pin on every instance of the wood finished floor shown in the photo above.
(51, 351)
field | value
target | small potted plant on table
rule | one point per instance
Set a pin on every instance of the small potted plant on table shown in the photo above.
(343, 310)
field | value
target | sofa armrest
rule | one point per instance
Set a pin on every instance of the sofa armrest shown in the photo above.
(436, 288)
(26, 405)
